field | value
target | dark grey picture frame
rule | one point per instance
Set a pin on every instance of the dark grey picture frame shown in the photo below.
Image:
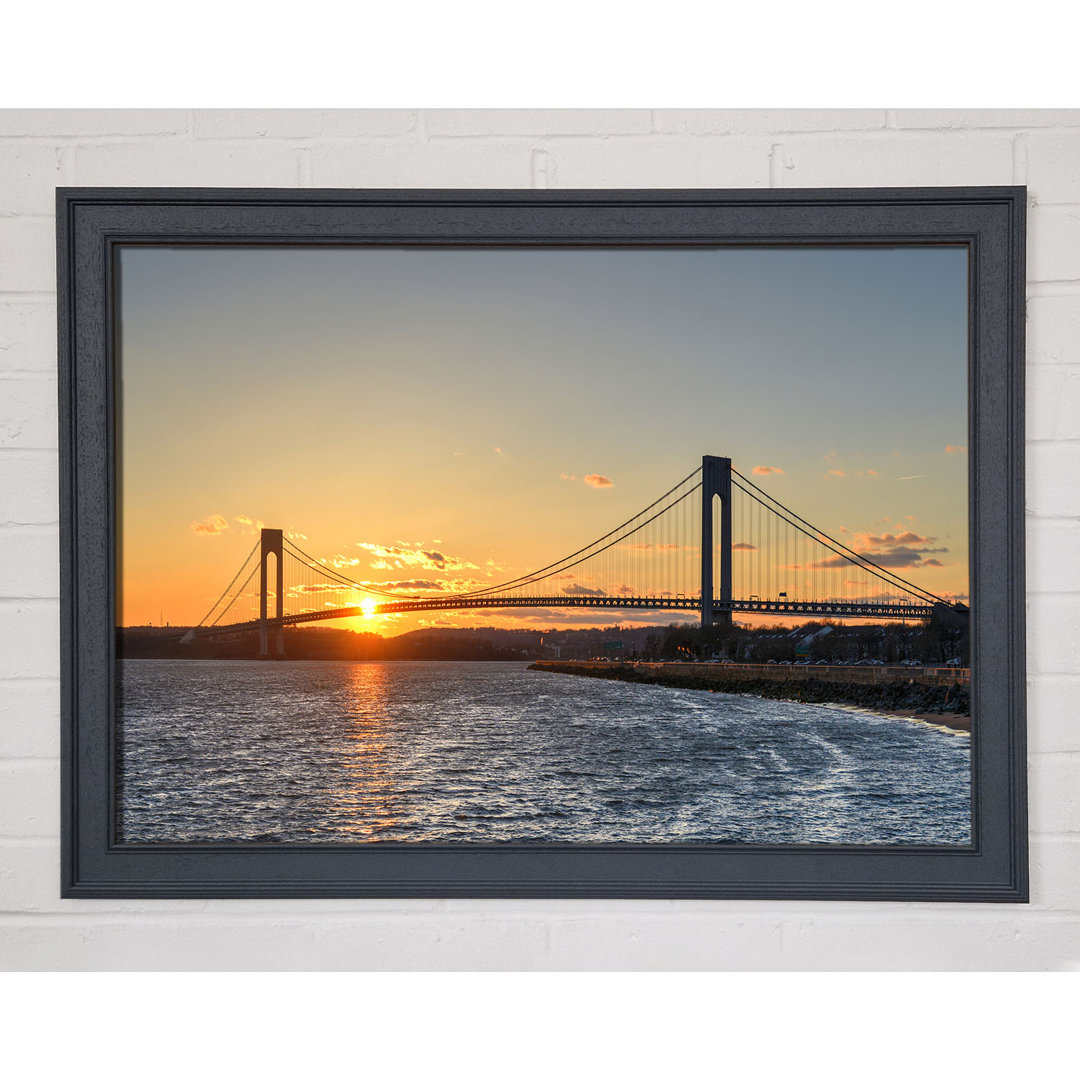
(92, 224)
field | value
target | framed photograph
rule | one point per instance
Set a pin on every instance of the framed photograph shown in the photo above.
(543, 544)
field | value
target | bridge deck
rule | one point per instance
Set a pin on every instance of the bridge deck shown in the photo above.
(810, 608)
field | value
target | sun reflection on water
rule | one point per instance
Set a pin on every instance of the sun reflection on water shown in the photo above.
(367, 806)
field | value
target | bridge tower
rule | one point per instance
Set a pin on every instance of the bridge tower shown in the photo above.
(715, 481)
(271, 545)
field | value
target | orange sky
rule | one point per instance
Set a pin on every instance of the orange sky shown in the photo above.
(463, 417)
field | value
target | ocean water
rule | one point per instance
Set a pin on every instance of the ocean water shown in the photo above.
(317, 752)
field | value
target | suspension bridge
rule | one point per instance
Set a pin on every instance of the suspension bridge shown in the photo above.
(716, 544)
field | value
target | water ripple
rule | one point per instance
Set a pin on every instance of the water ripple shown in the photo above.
(234, 751)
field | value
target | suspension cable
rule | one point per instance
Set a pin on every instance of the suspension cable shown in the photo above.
(238, 595)
(535, 574)
(817, 534)
(314, 564)
(243, 566)
(540, 575)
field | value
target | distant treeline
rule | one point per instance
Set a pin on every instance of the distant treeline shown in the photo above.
(934, 642)
(135, 643)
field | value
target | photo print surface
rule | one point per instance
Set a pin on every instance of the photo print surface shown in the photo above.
(413, 545)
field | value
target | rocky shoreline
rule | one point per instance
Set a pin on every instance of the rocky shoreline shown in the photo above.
(947, 705)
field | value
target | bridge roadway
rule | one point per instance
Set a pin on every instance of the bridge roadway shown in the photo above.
(813, 608)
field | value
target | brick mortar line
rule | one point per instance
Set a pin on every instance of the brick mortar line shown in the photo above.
(876, 134)
(64, 142)
(421, 131)
(479, 911)
(290, 142)
(1038, 290)
(405, 137)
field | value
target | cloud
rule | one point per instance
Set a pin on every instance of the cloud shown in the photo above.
(581, 590)
(214, 525)
(744, 547)
(836, 472)
(399, 556)
(593, 479)
(892, 550)
(767, 470)
(412, 585)
(869, 540)
(902, 556)
(498, 450)
(250, 526)
(448, 586)
(339, 562)
(655, 547)
(919, 476)
(955, 449)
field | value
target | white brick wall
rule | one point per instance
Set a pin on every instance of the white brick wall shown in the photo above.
(544, 148)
